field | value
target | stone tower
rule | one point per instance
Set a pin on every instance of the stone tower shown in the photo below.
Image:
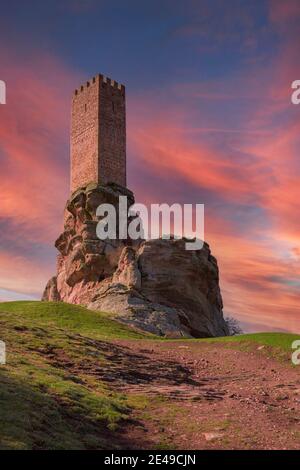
(98, 133)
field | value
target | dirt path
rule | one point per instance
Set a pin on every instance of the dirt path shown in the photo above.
(207, 396)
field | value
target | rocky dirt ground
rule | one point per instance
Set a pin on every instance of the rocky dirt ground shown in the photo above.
(77, 379)
(207, 396)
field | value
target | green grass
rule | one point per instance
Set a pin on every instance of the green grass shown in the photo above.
(71, 317)
(48, 399)
(282, 341)
(51, 396)
(274, 345)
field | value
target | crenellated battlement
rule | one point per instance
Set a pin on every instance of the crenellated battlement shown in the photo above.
(100, 79)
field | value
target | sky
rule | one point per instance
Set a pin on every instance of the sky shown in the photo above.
(209, 120)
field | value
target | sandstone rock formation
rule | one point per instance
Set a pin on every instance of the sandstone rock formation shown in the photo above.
(154, 285)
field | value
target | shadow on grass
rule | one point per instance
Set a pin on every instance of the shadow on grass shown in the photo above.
(33, 419)
(119, 364)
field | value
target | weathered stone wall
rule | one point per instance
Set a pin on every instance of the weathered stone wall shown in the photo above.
(98, 133)
(112, 136)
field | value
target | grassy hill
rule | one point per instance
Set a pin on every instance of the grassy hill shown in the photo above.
(277, 343)
(50, 393)
(43, 405)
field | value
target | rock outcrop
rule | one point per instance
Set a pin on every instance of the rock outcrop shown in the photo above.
(155, 285)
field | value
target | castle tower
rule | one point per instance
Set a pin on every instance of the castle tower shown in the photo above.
(98, 133)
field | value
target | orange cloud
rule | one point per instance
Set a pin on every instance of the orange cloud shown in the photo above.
(259, 266)
(34, 144)
(34, 167)
(19, 273)
(185, 141)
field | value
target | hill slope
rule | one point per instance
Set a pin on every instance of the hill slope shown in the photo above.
(78, 379)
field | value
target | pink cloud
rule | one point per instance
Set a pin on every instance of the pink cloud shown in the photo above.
(19, 273)
(252, 162)
(34, 166)
(283, 12)
(260, 273)
(34, 143)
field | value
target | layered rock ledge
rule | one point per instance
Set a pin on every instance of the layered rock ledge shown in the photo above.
(155, 285)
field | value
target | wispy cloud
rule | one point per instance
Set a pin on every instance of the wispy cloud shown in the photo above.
(34, 160)
(230, 141)
(246, 172)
